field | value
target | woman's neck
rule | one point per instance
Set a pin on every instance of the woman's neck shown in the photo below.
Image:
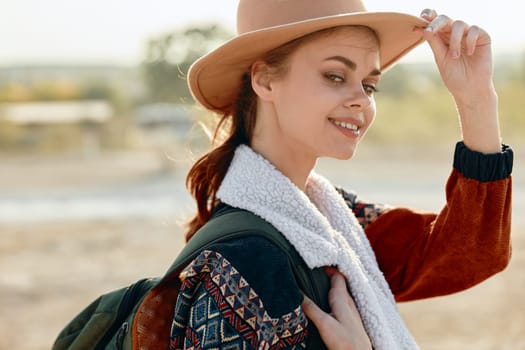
(293, 164)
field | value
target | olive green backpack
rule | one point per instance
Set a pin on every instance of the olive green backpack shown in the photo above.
(125, 318)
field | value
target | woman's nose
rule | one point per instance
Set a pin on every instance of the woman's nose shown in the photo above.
(357, 98)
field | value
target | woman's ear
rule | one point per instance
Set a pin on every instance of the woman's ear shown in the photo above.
(261, 80)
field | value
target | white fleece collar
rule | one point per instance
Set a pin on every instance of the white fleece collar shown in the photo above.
(324, 231)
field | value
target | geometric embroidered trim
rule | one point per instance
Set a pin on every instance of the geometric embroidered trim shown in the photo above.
(217, 308)
(365, 212)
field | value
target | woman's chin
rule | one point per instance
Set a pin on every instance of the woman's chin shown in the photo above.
(345, 154)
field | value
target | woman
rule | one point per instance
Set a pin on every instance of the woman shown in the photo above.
(297, 84)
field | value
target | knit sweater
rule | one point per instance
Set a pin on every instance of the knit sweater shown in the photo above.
(415, 252)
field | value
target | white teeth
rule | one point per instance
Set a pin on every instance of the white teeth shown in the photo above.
(345, 125)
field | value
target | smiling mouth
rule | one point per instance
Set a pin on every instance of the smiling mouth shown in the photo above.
(345, 125)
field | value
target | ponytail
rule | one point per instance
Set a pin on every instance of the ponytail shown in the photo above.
(206, 175)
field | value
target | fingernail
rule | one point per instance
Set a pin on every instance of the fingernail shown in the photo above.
(455, 54)
(429, 29)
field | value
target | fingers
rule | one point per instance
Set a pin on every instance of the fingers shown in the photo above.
(338, 282)
(341, 303)
(452, 37)
(439, 23)
(339, 299)
(321, 319)
(338, 295)
(330, 270)
(436, 44)
(335, 335)
(459, 29)
(343, 329)
(472, 39)
(428, 14)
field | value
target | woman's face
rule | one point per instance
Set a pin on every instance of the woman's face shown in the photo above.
(324, 103)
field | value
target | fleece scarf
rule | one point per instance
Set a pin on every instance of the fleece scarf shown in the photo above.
(324, 231)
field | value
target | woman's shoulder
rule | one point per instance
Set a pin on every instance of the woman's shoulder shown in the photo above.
(265, 267)
(240, 292)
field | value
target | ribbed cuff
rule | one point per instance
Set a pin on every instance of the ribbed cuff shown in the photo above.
(483, 167)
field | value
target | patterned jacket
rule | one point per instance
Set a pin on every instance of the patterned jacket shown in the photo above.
(242, 294)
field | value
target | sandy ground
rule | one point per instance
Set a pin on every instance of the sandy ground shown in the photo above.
(50, 270)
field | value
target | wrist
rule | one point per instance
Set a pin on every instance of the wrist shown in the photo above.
(478, 115)
(475, 101)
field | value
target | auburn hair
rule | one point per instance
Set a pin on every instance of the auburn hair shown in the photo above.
(206, 175)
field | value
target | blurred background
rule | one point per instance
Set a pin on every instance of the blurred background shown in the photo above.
(98, 129)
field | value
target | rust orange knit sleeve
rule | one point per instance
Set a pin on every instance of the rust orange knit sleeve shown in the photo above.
(424, 255)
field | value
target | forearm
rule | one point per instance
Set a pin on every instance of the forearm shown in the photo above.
(478, 113)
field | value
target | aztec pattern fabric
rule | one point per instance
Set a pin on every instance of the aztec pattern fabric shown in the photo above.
(365, 212)
(217, 309)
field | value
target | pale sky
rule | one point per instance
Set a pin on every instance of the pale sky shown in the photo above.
(115, 31)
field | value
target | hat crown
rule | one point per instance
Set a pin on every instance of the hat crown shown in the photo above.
(255, 15)
(262, 25)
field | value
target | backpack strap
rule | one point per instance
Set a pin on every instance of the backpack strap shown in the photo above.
(237, 223)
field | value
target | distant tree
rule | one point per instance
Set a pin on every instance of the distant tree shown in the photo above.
(15, 92)
(96, 90)
(170, 55)
(522, 67)
(56, 90)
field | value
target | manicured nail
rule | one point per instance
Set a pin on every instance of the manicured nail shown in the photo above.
(425, 13)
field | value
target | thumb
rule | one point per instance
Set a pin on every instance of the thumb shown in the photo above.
(320, 318)
(439, 48)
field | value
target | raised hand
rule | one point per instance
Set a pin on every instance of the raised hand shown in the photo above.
(463, 56)
(462, 52)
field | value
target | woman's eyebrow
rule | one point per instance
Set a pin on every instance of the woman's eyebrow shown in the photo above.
(350, 64)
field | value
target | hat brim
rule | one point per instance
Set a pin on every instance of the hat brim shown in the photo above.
(215, 78)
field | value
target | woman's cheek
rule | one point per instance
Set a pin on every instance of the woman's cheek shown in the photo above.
(370, 115)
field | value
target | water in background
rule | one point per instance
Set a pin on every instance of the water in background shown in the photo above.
(150, 198)
(418, 184)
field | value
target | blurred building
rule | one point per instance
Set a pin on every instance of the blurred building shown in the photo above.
(127, 79)
(164, 120)
(39, 119)
(56, 112)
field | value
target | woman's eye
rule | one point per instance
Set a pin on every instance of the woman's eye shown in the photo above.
(370, 89)
(335, 78)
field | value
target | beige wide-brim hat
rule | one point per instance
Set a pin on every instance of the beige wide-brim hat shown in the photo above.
(263, 25)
